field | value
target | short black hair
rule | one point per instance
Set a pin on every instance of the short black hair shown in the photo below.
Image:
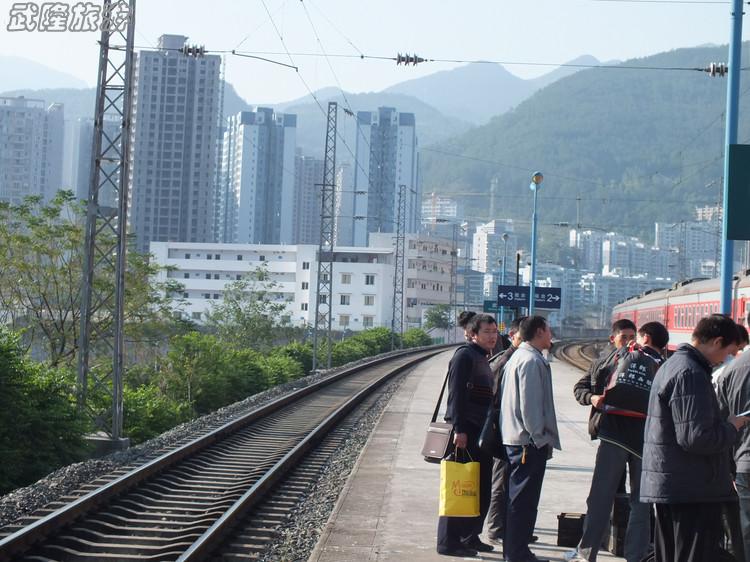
(744, 336)
(530, 325)
(716, 326)
(478, 319)
(515, 325)
(465, 317)
(622, 324)
(657, 332)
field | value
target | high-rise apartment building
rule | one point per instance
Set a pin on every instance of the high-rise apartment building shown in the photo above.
(31, 148)
(173, 144)
(83, 136)
(257, 179)
(308, 172)
(344, 227)
(386, 159)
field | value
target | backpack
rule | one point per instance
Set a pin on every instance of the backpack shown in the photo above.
(629, 386)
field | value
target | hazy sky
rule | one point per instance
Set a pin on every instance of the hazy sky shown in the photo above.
(547, 31)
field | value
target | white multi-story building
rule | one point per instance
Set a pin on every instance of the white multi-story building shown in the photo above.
(362, 279)
(174, 144)
(386, 159)
(428, 266)
(31, 148)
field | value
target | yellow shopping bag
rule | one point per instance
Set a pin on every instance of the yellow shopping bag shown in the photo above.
(459, 489)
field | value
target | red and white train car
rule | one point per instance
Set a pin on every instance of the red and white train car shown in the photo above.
(680, 307)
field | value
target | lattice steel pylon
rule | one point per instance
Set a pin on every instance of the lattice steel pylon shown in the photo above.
(454, 282)
(324, 292)
(397, 318)
(101, 337)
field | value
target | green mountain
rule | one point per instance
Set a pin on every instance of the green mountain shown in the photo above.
(636, 146)
(477, 92)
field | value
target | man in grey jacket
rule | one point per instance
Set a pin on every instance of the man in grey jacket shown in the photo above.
(529, 429)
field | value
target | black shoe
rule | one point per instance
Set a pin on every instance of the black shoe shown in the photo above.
(462, 551)
(478, 545)
(534, 538)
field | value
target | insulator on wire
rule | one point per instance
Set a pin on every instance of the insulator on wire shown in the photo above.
(193, 50)
(407, 59)
(717, 69)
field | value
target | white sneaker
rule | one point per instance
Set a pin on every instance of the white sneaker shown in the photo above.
(574, 556)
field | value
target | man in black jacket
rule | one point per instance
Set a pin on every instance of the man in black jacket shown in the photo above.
(623, 417)
(686, 455)
(588, 391)
(469, 396)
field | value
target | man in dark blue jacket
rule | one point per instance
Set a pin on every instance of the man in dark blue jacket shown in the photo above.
(469, 396)
(686, 454)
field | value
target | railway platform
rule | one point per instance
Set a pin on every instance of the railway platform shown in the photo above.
(388, 509)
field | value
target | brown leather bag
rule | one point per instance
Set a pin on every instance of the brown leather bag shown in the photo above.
(439, 438)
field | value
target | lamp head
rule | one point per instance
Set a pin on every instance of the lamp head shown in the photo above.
(536, 181)
(505, 237)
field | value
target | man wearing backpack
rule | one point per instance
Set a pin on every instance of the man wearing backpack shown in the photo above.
(588, 391)
(623, 408)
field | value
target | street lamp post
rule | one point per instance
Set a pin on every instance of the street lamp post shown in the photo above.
(535, 186)
(502, 273)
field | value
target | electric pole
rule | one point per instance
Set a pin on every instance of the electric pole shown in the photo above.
(101, 338)
(324, 292)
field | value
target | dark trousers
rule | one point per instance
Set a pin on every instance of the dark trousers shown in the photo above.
(453, 531)
(743, 490)
(525, 479)
(688, 532)
(498, 500)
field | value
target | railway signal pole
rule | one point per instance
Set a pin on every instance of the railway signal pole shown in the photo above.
(397, 319)
(733, 98)
(101, 337)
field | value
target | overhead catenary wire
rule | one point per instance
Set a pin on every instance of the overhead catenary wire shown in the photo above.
(312, 94)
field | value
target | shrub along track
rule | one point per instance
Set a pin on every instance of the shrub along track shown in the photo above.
(186, 504)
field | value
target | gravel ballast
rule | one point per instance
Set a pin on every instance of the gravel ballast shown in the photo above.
(22, 502)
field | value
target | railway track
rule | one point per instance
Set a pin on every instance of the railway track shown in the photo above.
(579, 354)
(220, 496)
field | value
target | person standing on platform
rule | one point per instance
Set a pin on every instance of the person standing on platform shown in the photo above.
(469, 396)
(529, 429)
(621, 428)
(687, 445)
(588, 391)
(733, 392)
(464, 321)
(499, 496)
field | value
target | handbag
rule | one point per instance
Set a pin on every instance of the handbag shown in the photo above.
(439, 436)
(490, 438)
(459, 488)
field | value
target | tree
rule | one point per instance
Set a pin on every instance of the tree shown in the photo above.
(40, 428)
(414, 337)
(41, 265)
(439, 317)
(250, 315)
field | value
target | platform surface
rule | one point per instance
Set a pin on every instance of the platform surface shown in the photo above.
(388, 510)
